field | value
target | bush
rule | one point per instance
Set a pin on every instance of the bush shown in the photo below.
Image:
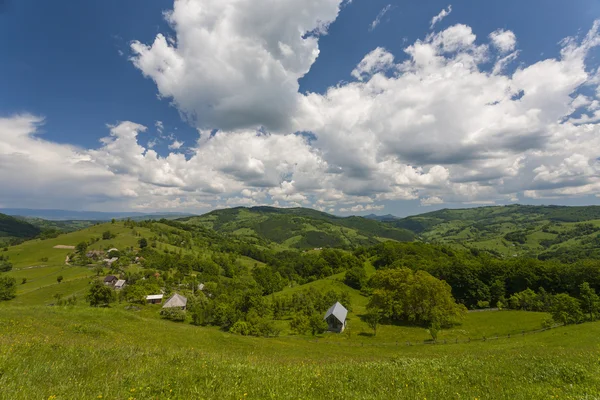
(173, 314)
(355, 277)
(300, 324)
(8, 288)
(240, 328)
(483, 304)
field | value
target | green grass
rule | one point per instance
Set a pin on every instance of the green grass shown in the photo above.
(83, 353)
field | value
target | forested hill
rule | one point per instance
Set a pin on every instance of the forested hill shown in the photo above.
(299, 227)
(11, 227)
(544, 231)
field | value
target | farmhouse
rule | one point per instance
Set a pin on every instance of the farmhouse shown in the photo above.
(110, 280)
(176, 301)
(154, 298)
(109, 261)
(120, 284)
(336, 317)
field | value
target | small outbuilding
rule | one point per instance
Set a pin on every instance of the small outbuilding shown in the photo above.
(110, 280)
(120, 284)
(336, 318)
(154, 298)
(176, 301)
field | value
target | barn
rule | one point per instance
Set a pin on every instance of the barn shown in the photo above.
(336, 317)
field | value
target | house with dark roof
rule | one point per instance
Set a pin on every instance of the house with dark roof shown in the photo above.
(336, 318)
(110, 280)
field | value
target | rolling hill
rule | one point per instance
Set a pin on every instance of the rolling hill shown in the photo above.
(13, 228)
(539, 231)
(301, 228)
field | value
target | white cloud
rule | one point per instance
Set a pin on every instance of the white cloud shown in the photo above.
(236, 63)
(504, 41)
(380, 16)
(429, 201)
(378, 60)
(362, 208)
(447, 123)
(176, 145)
(443, 14)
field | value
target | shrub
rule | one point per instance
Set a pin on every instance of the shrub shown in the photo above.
(355, 277)
(8, 288)
(240, 328)
(173, 314)
(483, 304)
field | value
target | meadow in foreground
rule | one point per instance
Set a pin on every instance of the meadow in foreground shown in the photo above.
(82, 353)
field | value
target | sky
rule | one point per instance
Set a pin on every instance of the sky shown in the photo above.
(350, 107)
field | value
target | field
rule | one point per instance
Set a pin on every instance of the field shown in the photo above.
(83, 353)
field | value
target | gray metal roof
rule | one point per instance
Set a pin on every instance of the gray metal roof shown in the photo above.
(176, 300)
(154, 297)
(338, 311)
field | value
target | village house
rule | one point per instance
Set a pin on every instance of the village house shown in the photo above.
(95, 254)
(109, 261)
(110, 280)
(336, 318)
(154, 298)
(176, 301)
(120, 284)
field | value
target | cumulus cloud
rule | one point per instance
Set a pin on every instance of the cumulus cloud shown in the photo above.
(362, 208)
(429, 201)
(378, 60)
(446, 124)
(380, 16)
(176, 145)
(504, 41)
(236, 63)
(443, 14)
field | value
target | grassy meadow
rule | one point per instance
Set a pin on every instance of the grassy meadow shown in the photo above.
(112, 353)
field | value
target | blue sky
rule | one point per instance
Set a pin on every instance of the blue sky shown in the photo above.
(70, 76)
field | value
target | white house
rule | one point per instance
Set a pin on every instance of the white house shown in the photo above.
(336, 317)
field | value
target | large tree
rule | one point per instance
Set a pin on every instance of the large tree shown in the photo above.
(403, 295)
(100, 295)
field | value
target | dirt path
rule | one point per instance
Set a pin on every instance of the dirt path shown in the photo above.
(62, 246)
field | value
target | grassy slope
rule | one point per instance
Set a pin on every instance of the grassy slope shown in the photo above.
(40, 263)
(81, 353)
(11, 227)
(299, 227)
(486, 227)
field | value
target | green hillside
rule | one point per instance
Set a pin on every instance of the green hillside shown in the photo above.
(568, 233)
(13, 228)
(300, 228)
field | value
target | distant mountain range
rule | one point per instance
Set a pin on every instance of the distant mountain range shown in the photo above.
(64, 215)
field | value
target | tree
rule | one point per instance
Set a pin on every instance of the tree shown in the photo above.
(112, 221)
(81, 247)
(300, 324)
(100, 295)
(23, 281)
(317, 324)
(566, 309)
(107, 235)
(8, 288)
(372, 318)
(590, 301)
(403, 295)
(143, 243)
(355, 277)
(59, 278)
(98, 269)
(5, 265)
